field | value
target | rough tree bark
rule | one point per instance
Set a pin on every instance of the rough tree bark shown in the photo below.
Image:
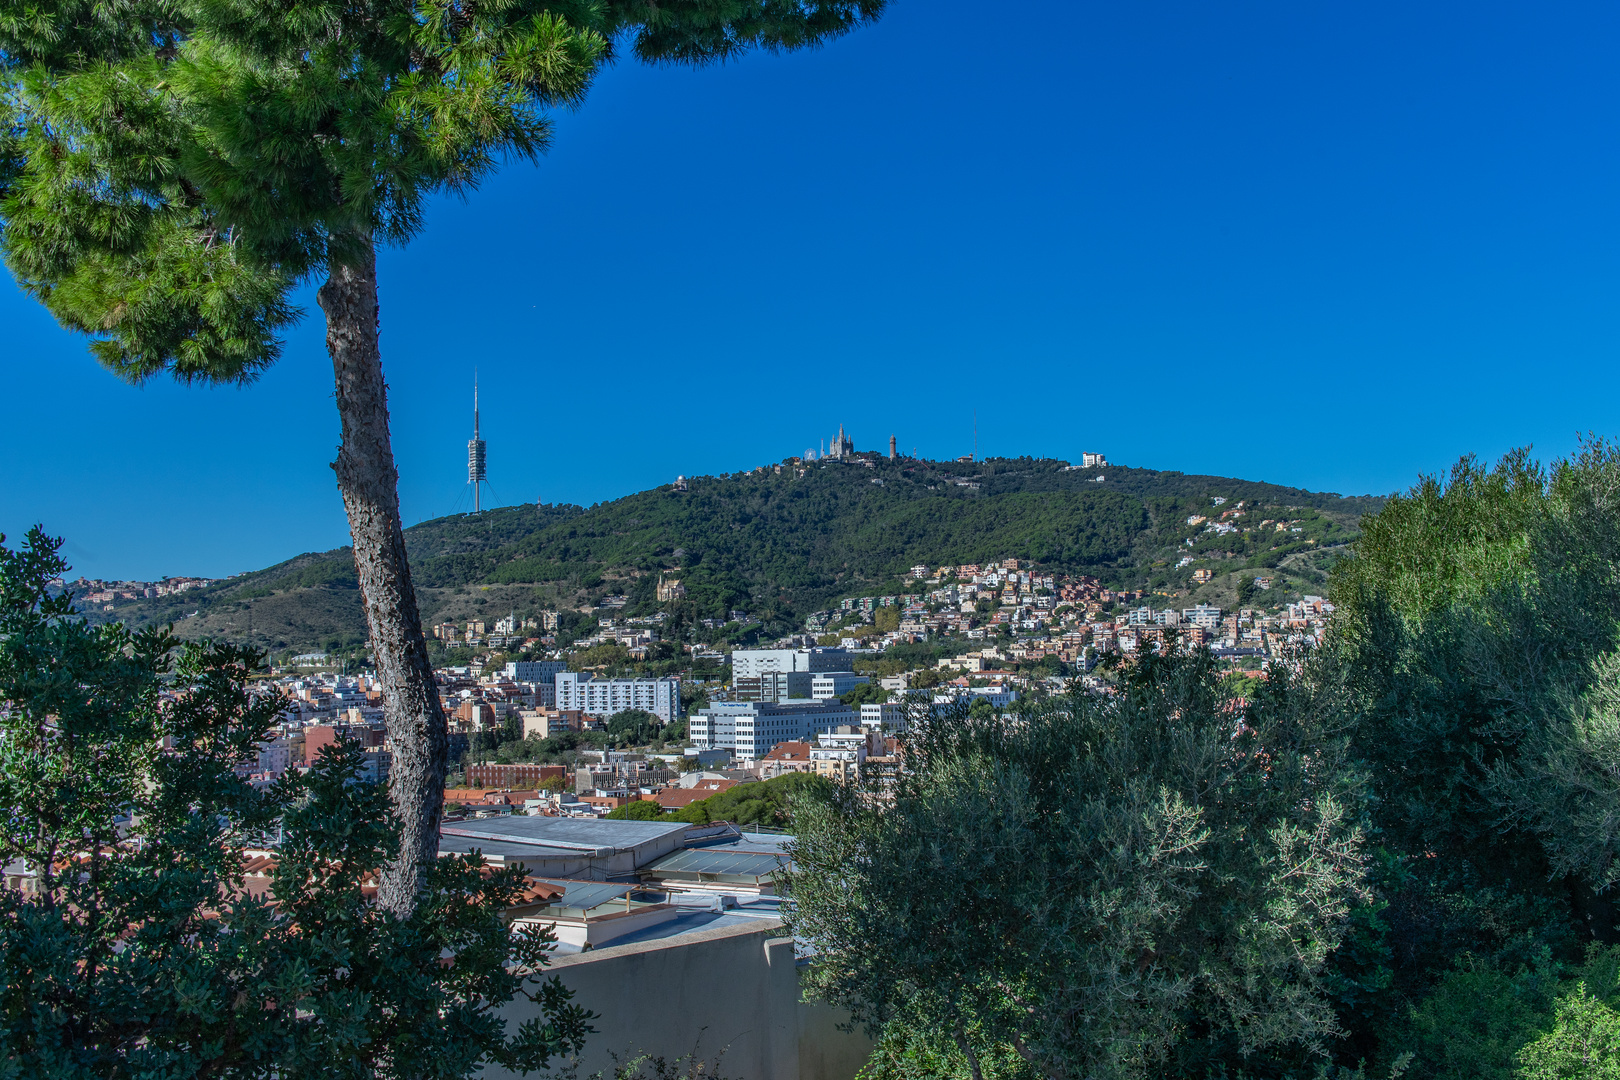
(369, 481)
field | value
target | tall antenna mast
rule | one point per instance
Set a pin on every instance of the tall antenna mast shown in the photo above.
(975, 434)
(476, 470)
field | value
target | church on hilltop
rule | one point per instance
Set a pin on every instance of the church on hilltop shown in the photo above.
(842, 445)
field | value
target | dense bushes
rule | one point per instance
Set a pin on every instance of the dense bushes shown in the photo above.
(1464, 708)
(139, 948)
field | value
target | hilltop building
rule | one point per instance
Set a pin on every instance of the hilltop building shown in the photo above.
(842, 445)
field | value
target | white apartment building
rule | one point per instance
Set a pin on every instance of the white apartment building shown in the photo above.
(535, 671)
(747, 662)
(750, 728)
(601, 698)
(1203, 615)
(887, 717)
(830, 684)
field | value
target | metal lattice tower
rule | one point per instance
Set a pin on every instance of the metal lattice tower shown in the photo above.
(476, 457)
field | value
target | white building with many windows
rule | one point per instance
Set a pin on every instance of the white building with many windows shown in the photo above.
(831, 684)
(750, 728)
(748, 662)
(889, 717)
(602, 698)
(535, 671)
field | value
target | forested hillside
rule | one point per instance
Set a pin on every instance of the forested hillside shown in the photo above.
(783, 541)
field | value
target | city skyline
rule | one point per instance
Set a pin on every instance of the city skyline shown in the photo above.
(1323, 249)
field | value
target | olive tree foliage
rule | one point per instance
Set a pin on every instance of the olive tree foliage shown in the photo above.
(139, 950)
(1475, 647)
(1100, 886)
(1479, 620)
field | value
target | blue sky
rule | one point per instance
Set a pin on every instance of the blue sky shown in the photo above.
(1331, 245)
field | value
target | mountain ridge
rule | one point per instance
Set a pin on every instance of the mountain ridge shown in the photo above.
(783, 540)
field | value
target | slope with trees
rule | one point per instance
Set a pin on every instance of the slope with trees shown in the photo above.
(781, 546)
(1017, 904)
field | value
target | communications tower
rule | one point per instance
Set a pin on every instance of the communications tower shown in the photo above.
(476, 475)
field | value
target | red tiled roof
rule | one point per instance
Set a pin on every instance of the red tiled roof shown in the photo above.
(789, 751)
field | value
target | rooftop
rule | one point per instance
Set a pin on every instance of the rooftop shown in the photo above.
(697, 914)
(569, 834)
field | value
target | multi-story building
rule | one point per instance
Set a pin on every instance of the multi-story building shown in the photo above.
(772, 686)
(535, 671)
(602, 698)
(544, 723)
(747, 662)
(1203, 615)
(514, 775)
(889, 717)
(750, 728)
(831, 684)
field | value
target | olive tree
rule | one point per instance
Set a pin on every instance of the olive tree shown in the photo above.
(1100, 886)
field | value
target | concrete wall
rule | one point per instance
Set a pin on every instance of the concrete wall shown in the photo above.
(734, 989)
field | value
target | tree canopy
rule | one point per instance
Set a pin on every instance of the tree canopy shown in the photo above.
(142, 947)
(1102, 886)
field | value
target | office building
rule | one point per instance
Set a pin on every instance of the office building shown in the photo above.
(831, 684)
(772, 686)
(887, 717)
(535, 671)
(750, 728)
(748, 662)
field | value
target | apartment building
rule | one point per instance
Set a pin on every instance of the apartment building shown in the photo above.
(602, 698)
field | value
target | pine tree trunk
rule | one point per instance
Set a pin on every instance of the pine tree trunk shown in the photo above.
(370, 485)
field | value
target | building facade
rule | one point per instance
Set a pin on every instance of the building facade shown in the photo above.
(831, 684)
(748, 662)
(773, 686)
(602, 698)
(749, 729)
(535, 671)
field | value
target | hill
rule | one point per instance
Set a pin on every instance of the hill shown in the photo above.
(782, 541)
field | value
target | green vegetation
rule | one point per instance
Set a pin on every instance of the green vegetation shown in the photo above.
(1477, 651)
(780, 546)
(869, 693)
(1464, 713)
(640, 810)
(141, 953)
(761, 803)
(1089, 884)
(634, 727)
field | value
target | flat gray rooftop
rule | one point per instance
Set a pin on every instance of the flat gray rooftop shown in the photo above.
(569, 834)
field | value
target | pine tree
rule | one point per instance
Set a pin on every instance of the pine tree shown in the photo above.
(171, 169)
